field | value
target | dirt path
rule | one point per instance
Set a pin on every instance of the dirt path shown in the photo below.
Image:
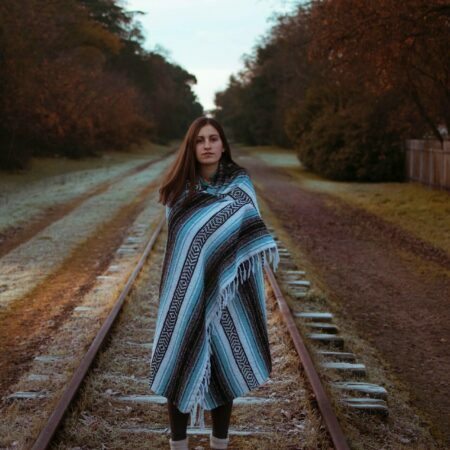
(392, 285)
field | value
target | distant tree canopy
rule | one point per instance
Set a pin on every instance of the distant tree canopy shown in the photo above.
(344, 82)
(75, 80)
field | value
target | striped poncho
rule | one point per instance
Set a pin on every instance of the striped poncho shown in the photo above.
(211, 343)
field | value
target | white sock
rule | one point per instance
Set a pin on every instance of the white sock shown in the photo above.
(218, 443)
(179, 445)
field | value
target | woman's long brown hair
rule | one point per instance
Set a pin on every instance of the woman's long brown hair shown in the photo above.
(186, 168)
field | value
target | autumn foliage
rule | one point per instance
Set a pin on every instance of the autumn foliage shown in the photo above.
(75, 80)
(345, 82)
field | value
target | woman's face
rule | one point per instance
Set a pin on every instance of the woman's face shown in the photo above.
(208, 146)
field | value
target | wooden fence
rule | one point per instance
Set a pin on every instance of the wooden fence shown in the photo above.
(428, 162)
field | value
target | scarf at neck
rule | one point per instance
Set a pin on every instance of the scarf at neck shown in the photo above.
(211, 342)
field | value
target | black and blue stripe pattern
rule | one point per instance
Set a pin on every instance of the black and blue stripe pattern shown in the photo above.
(211, 343)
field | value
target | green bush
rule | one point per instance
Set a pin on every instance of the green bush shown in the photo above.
(346, 139)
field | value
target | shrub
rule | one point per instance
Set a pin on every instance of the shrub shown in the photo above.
(343, 138)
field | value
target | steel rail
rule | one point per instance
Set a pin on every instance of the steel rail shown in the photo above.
(47, 433)
(331, 422)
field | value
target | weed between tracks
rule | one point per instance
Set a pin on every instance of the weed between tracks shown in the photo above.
(101, 419)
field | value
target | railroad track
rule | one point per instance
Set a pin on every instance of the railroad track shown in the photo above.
(113, 408)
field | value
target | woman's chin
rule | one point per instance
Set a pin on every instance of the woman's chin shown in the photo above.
(209, 162)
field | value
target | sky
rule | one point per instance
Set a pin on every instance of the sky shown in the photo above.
(206, 37)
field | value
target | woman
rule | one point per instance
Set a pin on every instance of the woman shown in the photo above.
(210, 344)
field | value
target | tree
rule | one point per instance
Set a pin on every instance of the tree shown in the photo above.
(386, 45)
(76, 81)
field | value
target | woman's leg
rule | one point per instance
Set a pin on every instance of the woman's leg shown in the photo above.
(178, 422)
(221, 419)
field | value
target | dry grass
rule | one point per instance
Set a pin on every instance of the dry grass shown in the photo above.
(49, 182)
(25, 267)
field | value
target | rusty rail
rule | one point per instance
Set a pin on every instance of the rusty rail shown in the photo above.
(331, 422)
(47, 433)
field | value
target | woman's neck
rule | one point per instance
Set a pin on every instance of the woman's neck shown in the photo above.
(208, 171)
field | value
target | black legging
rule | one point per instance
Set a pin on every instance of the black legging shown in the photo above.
(178, 421)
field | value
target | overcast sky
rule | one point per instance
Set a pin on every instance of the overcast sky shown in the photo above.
(207, 37)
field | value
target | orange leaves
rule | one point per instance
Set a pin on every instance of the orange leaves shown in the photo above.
(75, 79)
(392, 45)
(58, 91)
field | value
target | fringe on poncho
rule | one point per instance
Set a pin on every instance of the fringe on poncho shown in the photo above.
(211, 343)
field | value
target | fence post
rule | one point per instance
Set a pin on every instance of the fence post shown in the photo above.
(415, 149)
(430, 167)
(444, 161)
(421, 166)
